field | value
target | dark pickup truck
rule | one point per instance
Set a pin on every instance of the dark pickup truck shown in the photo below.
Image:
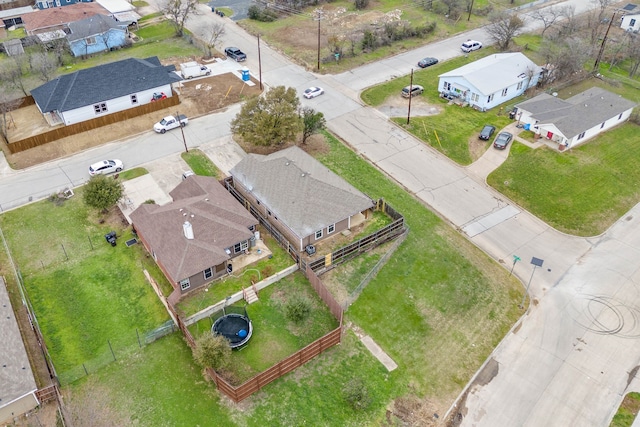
(235, 53)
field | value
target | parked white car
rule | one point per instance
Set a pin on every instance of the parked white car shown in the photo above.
(312, 92)
(105, 167)
(470, 45)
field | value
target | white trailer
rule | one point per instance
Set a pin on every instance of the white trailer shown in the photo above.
(192, 69)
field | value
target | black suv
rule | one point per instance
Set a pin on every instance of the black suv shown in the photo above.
(235, 53)
(487, 131)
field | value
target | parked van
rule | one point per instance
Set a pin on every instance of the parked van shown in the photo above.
(411, 91)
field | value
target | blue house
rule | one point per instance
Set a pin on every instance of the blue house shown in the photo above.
(490, 81)
(98, 33)
(46, 4)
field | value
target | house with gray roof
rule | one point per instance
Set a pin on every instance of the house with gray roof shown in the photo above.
(104, 89)
(17, 384)
(300, 196)
(575, 120)
(193, 238)
(98, 33)
(490, 81)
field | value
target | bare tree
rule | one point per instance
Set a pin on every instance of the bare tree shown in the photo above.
(7, 105)
(43, 65)
(570, 24)
(179, 11)
(453, 8)
(601, 7)
(213, 35)
(59, 47)
(633, 50)
(13, 75)
(564, 59)
(548, 17)
(503, 27)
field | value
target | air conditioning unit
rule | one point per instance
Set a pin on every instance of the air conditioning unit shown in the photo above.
(310, 250)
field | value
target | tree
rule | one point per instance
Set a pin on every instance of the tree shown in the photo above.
(213, 34)
(548, 17)
(44, 65)
(102, 192)
(178, 12)
(312, 122)
(633, 50)
(565, 58)
(212, 351)
(12, 74)
(503, 27)
(570, 22)
(271, 119)
(453, 8)
(6, 106)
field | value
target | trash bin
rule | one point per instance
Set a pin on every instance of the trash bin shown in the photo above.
(111, 238)
(213, 9)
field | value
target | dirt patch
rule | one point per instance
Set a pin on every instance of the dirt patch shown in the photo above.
(397, 106)
(199, 97)
(477, 147)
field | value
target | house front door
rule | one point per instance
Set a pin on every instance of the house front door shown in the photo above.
(549, 135)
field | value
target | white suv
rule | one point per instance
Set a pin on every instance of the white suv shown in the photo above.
(470, 45)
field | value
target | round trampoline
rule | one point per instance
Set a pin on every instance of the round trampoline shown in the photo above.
(234, 327)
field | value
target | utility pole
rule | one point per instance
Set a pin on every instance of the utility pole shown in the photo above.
(184, 141)
(604, 41)
(259, 63)
(410, 96)
(470, 9)
(319, 18)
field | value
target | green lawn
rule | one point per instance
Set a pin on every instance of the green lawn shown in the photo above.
(86, 293)
(229, 285)
(448, 132)
(627, 411)
(274, 336)
(200, 164)
(580, 192)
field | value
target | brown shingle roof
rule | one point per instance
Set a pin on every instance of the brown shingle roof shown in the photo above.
(217, 219)
(58, 17)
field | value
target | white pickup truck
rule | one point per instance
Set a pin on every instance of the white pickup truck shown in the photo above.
(192, 69)
(170, 122)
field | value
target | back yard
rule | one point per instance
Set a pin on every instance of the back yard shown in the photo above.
(438, 307)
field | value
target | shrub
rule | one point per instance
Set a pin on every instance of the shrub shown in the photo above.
(361, 4)
(297, 308)
(258, 13)
(356, 394)
(212, 351)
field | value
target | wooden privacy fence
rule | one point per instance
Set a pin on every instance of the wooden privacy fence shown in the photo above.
(76, 128)
(14, 105)
(47, 394)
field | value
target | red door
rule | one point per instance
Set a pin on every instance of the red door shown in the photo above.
(549, 135)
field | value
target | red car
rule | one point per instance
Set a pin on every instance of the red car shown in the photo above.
(158, 96)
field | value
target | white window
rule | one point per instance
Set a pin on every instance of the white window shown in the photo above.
(208, 273)
(134, 99)
(520, 85)
(475, 97)
(447, 86)
(504, 91)
(318, 234)
(185, 284)
(100, 108)
(581, 136)
(331, 228)
(490, 98)
(240, 247)
(90, 41)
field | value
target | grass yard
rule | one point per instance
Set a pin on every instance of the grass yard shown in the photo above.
(229, 285)
(627, 411)
(583, 191)
(200, 164)
(450, 131)
(275, 337)
(96, 296)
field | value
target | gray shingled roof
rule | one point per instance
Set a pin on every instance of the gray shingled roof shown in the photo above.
(300, 191)
(217, 219)
(495, 72)
(578, 113)
(16, 377)
(101, 83)
(93, 26)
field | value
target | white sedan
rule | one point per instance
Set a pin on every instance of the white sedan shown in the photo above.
(105, 167)
(312, 92)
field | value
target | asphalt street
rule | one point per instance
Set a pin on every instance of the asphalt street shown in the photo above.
(569, 360)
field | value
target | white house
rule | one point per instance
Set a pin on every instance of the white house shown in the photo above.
(631, 22)
(575, 120)
(490, 81)
(105, 89)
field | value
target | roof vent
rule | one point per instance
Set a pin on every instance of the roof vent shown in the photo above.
(192, 216)
(303, 174)
(188, 230)
(286, 164)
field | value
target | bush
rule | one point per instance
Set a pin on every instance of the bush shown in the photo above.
(212, 351)
(297, 308)
(356, 394)
(361, 4)
(258, 13)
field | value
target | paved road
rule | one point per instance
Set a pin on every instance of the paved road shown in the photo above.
(568, 361)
